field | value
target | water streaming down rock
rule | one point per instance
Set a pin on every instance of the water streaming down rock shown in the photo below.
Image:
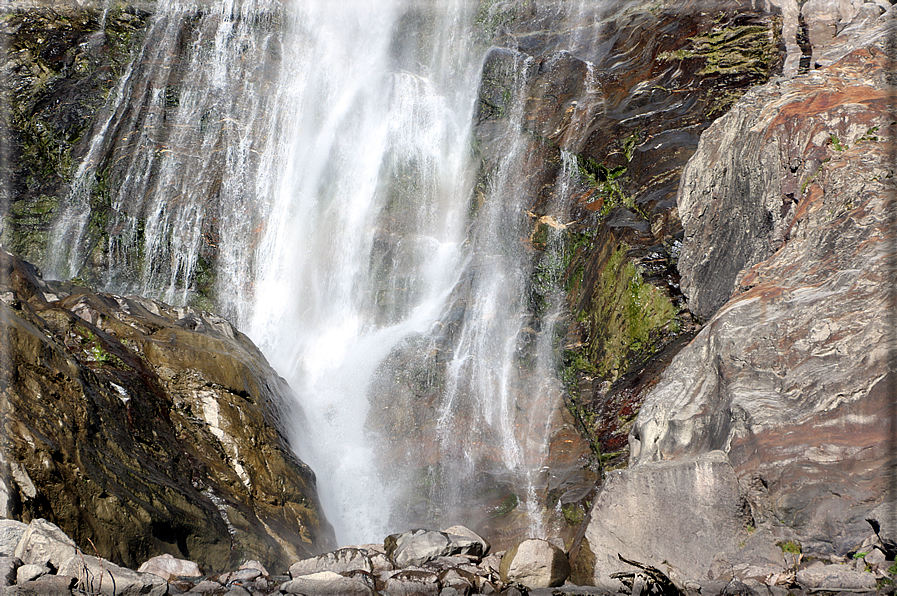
(166, 194)
(307, 170)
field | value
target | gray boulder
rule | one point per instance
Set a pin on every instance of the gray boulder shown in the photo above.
(208, 587)
(416, 547)
(27, 573)
(678, 514)
(786, 207)
(338, 561)
(99, 576)
(11, 532)
(535, 564)
(44, 543)
(47, 585)
(471, 535)
(835, 578)
(418, 582)
(327, 583)
(167, 566)
(8, 568)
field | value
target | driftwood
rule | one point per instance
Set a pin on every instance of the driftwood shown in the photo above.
(649, 580)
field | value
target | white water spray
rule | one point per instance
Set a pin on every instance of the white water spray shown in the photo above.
(316, 159)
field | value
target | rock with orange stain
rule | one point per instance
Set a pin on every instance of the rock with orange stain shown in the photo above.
(788, 209)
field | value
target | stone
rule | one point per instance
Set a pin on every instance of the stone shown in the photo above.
(327, 583)
(106, 578)
(413, 582)
(8, 568)
(47, 585)
(27, 573)
(338, 561)
(470, 534)
(789, 236)
(43, 543)
(416, 547)
(675, 514)
(11, 532)
(209, 587)
(835, 578)
(565, 590)
(240, 576)
(460, 580)
(874, 558)
(255, 565)
(167, 434)
(535, 564)
(166, 566)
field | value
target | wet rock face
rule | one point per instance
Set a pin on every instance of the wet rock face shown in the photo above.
(147, 429)
(616, 98)
(58, 63)
(789, 249)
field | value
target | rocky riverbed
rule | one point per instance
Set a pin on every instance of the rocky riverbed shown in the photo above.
(39, 559)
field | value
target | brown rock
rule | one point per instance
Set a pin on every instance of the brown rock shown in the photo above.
(148, 429)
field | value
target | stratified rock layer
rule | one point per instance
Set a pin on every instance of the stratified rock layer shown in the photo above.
(145, 429)
(788, 209)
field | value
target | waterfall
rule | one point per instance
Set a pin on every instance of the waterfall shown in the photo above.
(306, 168)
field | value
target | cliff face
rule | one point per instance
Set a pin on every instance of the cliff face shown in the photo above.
(616, 98)
(147, 429)
(788, 253)
(60, 63)
(789, 250)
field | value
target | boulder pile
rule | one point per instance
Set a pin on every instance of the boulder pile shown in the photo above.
(39, 559)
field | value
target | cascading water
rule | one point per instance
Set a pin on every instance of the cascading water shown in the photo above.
(306, 169)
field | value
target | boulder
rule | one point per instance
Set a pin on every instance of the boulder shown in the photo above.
(835, 578)
(255, 565)
(416, 547)
(27, 573)
(470, 534)
(412, 582)
(99, 576)
(208, 587)
(535, 564)
(459, 580)
(327, 583)
(11, 532)
(44, 543)
(47, 585)
(338, 561)
(166, 566)
(678, 515)
(147, 436)
(8, 570)
(240, 576)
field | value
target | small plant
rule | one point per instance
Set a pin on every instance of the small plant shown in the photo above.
(790, 546)
(892, 570)
(860, 555)
(836, 143)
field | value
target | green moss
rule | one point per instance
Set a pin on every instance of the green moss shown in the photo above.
(729, 50)
(627, 317)
(507, 505)
(573, 514)
(790, 546)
